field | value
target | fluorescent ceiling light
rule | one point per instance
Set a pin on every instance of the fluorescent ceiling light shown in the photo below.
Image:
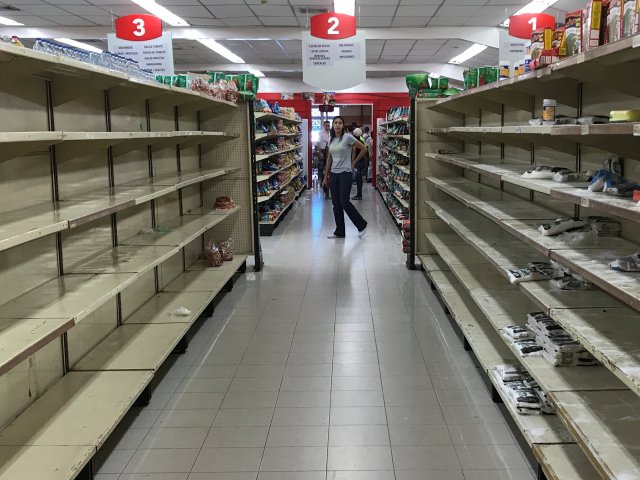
(470, 52)
(345, 6)
(75, 43)
(535, 6)
(220, 50)
(161, 12)
(257, 73)
(8, 21)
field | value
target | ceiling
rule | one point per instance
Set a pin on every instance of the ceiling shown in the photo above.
(233, 15)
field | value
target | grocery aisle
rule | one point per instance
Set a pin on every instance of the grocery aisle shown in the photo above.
(334, 362)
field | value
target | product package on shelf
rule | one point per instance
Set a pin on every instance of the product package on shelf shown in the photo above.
(521, 391)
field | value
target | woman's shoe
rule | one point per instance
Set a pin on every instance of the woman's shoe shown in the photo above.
(357, 197)
(362, 232)
(333, 236)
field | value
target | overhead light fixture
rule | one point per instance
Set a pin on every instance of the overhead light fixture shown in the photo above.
(220, 50)
(535, 6)
(75, 43)
(161, 12)
(9, 22)
(345, 6)
(257, 73)
(470, 52)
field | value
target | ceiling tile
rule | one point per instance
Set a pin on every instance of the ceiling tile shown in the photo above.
(280, 21)
(479, 21)
(204, 22)
(272, 10)
(457, 11)
(70, 21)
(33, 21)
(447, 21)
(377, 11)
(410, 21)
(40, 10)
(104, 20)
(190, 11)
(372, 22)
(417, 11)
(241, 22)
(229, 11)
(82, 9)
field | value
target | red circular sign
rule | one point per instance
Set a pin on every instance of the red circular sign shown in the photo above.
(138, 28)
(333, 26)
(522, 25)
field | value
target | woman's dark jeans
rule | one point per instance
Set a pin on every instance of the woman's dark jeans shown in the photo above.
(340, 185)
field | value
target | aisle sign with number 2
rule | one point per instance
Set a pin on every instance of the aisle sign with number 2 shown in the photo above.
(138, 28)
(333, 26)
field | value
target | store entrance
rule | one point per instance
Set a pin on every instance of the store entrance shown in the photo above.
(354, 115)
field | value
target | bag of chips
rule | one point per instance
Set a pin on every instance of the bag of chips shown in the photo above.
(226, 250)
(213, 255)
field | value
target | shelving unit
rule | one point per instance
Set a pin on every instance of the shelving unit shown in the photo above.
(109, 186)
(266, 199)
(476, 217)
(393, 179)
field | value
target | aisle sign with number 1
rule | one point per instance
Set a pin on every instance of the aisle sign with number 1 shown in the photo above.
(334, 52)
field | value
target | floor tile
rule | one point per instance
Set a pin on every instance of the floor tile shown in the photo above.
(359, 458)
(152, 476)
(456, 415)
(403, 434)
(243, 417)
(248, 437)
(250, 399)
(360, 475)
(190, 437)
(317, 370)
(356, 370)
(268, 384)
(356, 383)
(294, 459)
(260, 371)
(112, 461)
(512, 474)
(291, 475)
(430, 475)
(228, 460)
(358, 435)
(480, 457)
(162, 461)
(306, 384)
(430, 415)
(358, 416)
(425, 457)
(303, 399)
(300, 416)
(357, 398)
(186, 418)
(298, 436)
(192, 401)
(481, 434)
(223, 476)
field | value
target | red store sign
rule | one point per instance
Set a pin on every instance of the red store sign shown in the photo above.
(333, 26)
(137, 28)
(521, 26)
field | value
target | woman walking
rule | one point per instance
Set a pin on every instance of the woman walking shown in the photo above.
(341, 165)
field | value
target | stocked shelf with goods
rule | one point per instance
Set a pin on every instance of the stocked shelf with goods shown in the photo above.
(115, 188)
(278, 162)
(394, 167)
(491, 183)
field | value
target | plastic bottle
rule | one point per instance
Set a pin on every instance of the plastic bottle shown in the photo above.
(548, 111)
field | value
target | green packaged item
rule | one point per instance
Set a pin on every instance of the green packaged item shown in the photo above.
(441, 83)
(491, 75)
(160, 78)
(429, 93)
(215, 76)
(417, 81)
(471, 78)
(449, 92)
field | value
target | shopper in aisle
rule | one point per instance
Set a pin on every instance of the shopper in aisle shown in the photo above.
(339, 177)
(323, 144)
(369, 144)
(360, 165)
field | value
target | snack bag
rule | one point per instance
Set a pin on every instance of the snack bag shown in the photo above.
(628, 17)
(213, 255)
(591, 27)
(614, 27)
(226, 250)
(573, 32)
(558, 42)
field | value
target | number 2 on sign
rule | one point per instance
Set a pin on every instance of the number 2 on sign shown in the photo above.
(140, 30)
(333, 29)
(533, 21)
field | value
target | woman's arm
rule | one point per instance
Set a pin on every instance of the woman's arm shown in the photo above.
(362, 151)
(327, 167)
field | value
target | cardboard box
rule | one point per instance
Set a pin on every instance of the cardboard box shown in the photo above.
(592, 25)
(573, 32)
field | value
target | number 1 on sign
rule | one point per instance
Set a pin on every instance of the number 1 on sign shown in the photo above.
(140, 30)
(333, 29)
(533, 21)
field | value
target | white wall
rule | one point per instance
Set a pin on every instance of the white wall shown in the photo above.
(372, 85)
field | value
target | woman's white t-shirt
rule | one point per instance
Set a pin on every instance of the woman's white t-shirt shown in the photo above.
(341, 153)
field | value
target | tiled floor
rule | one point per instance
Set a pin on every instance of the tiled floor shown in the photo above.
(334, 363)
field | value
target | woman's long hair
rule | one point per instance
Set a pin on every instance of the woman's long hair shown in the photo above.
(333, 132)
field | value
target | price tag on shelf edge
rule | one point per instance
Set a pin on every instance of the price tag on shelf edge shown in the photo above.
(138, 28)
(521, 26)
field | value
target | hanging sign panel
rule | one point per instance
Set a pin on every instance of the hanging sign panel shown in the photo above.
(334, 55)
(140, 38)
(521, 26)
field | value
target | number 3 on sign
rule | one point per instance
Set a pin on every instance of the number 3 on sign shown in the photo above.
(140, 30)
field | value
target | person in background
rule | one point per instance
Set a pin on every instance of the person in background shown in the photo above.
(340, 164)
(369, 144)
(323, 144)
(360, 165)
(366, 134)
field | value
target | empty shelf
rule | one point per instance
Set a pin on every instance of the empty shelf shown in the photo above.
(81, 409)
(50, 462)
(202, 278)
(565, 462)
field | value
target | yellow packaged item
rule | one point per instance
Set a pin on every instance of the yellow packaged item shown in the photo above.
(625, 116)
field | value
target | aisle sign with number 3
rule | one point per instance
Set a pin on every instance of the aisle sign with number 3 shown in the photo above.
(138, 28)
